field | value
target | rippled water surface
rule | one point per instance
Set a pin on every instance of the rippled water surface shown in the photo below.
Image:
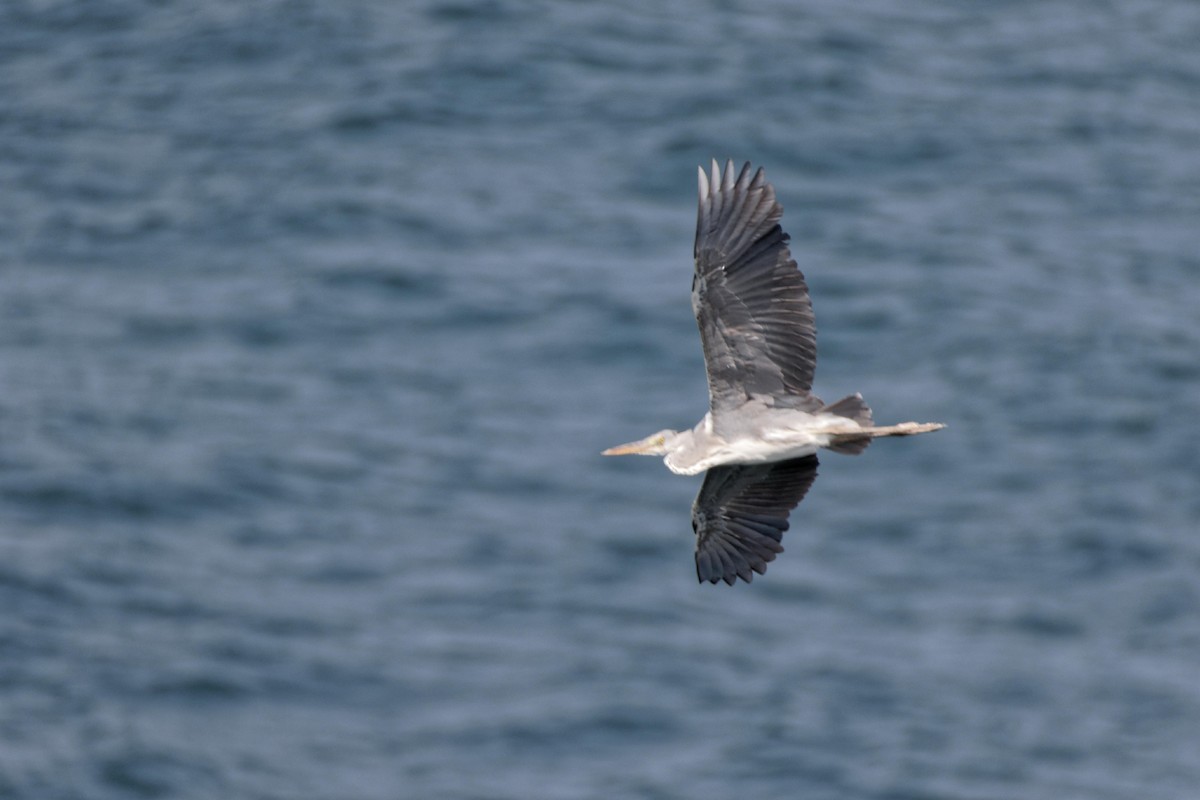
(315, 317)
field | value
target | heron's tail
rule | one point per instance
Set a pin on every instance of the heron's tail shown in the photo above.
(855, 408)
(857, 441)
(852, 407)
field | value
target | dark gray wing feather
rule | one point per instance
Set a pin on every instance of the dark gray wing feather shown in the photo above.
(750, 300)
(741, 513)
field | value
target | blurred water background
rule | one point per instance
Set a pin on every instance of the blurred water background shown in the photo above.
(315, 316)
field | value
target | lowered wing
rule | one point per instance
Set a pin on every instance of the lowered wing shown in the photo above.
(740, 515)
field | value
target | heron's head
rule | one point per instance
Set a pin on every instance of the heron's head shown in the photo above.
(654, 445)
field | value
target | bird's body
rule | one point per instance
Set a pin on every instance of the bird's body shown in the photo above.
(761, 435)
(758, 442)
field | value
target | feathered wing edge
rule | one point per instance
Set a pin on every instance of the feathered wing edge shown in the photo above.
(740, 514)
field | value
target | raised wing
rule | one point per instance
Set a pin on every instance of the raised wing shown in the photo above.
(750, 300)
(741, 513)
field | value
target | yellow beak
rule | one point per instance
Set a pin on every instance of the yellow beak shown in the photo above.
(638, 448)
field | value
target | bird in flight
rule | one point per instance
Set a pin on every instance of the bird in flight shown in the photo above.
(759, 439)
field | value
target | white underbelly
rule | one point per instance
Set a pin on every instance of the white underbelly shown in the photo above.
(779, 448)
(775, 444)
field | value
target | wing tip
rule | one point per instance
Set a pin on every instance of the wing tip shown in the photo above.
(717, 179)
(715, 570)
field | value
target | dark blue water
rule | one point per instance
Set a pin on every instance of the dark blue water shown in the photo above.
(315, 317)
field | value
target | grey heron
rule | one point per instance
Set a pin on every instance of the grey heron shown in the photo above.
(759, 439)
